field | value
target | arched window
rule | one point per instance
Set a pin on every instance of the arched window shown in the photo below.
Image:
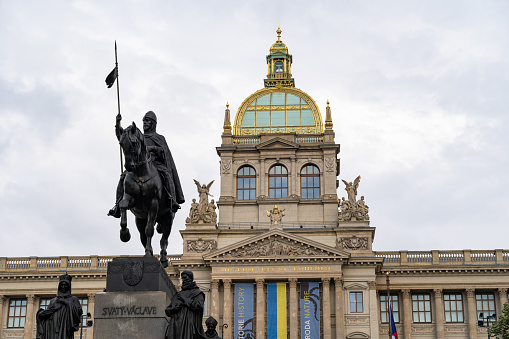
(246, 183)
(278, 182)
(310, 182)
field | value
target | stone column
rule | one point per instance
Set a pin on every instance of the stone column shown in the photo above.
(214, 299)
(294, 308)
(326, 308)
(2, 302)
(260, 309)
(439, 311)
(227, 308)
(472, 313)
(340, 316)
(373, 310)
(407, 314)
(502, 295)
(91, 306)
(29, 318)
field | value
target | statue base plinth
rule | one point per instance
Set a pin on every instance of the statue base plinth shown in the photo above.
(130, 315)
(138, 290)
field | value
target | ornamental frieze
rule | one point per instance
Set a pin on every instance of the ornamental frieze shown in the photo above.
(274, 247)
(201, 245)
(352, 243)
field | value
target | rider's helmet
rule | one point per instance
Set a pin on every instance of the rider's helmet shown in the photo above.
(150, 115)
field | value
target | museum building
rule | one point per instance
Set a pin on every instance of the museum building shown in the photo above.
(287, 257)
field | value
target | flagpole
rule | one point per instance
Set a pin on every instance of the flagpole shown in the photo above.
(388, 302)
(118, 101)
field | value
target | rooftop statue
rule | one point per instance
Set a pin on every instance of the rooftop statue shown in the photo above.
(62, 316)
(202, 212)
(150, 186)
(185, 311)
(275, 215)
(353, 209)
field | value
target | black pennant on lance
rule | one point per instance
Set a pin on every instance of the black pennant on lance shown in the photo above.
(110, 79)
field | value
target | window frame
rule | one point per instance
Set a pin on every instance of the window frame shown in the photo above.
(491, 300)
(304, 188)
(251, 190)
(273, 190)
(421, 314)
(448, 301)
(394, 300)
(356, 305)
(12, 315)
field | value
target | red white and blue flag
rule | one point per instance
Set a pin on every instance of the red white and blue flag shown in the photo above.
(394, 333)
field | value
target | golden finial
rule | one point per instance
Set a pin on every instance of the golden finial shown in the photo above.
(227, 126)
(328, 117)
(278, 33)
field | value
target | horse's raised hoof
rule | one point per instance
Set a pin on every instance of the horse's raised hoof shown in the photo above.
(125, 236)
(159, 228)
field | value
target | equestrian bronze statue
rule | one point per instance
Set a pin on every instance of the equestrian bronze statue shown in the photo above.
(149, 187)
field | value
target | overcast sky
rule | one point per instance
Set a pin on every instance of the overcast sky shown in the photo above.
(419, 92)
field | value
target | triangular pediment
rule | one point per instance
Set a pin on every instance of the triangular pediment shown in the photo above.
(276, 244)
(276, 143)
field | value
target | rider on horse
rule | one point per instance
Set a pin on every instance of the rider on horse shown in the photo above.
(157, 146)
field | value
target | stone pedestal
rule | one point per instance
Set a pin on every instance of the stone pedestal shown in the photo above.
(138, 290)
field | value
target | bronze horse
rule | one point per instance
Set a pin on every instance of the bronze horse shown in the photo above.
(144, 194)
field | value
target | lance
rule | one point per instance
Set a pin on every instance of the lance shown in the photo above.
(110, 79)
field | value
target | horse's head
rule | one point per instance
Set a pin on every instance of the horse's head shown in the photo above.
(133, 145)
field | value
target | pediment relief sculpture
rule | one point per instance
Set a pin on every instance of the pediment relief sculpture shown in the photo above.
(273, 248)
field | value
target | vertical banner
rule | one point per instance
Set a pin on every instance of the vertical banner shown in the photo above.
(309, 310)
(243, 322)
(276, 311)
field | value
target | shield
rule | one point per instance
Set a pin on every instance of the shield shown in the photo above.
(133, 272)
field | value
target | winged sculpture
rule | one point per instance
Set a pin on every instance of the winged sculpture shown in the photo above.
(351, 189)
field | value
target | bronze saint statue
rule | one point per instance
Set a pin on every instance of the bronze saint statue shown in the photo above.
(150, 186)
(186, 311)
(211, 332)
(63, 315)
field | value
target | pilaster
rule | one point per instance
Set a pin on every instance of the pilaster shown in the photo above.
(260, 308)
(294, 307)
(227, 309)
(407, 314)
(502, 295)
(29, 318)
(326, 308)
(214, 298)
(439, 311)
(340, 318)
(3, 300)
(91, 307)
(373, 310)
(472, 314)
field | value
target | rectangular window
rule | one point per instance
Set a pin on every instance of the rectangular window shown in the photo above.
(44, 303)
(485, 304)
(17, 313)
(384, 308)
(453, 305)
(356, 302)
(84, 307)
(421, 308)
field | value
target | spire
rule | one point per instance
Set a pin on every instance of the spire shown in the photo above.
(227, 126)
(328, 117)
(278, 34)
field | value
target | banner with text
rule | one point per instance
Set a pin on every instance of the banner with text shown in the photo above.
(309, 310)
(244, 296)
(276, 311)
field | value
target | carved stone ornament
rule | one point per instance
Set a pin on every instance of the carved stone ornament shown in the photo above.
(274, 247)
(201, 245)
(352, 243)
(330, 164)
(133, 272)
(226, 166)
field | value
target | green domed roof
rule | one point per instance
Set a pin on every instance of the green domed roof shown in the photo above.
(278, 110)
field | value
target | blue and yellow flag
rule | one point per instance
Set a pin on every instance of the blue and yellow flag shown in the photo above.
(276, 311)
